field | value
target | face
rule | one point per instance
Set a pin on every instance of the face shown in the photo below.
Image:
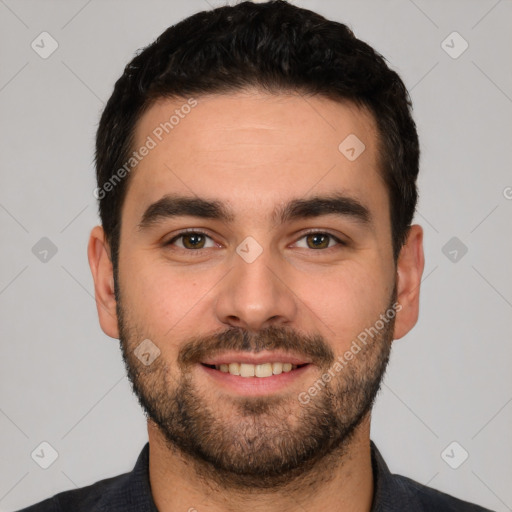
(253, 255)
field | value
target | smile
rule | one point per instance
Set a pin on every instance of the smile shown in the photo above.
(256, 374)
(262, 370)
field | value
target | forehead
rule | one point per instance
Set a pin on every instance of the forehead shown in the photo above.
(254, 150)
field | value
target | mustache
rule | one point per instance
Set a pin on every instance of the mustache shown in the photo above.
(313, 347)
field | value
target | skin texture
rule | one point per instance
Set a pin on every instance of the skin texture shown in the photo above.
(253, 152)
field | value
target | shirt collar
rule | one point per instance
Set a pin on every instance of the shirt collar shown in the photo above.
(132, 491)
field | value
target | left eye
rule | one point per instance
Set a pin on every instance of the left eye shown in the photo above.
(320, 240)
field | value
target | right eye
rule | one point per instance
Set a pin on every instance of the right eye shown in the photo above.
(191, 240)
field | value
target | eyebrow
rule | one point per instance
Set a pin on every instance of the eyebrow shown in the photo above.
(171, 206)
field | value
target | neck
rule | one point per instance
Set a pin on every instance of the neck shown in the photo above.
(344, 482)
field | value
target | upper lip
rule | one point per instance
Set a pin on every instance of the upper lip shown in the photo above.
(255, 358)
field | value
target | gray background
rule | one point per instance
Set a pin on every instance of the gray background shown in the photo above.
(63, 380)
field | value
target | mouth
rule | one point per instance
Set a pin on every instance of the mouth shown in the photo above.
(255, 374)
(262, 370)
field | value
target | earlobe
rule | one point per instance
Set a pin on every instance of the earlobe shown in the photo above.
(411, 262)
(103, 274)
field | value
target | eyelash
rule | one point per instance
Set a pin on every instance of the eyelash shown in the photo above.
(199, 232)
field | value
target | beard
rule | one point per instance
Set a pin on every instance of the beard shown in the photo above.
(260, 442)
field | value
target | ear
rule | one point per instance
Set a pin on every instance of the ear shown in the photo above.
(411, 262)
(98, 253)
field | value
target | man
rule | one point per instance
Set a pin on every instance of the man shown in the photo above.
(256, 172)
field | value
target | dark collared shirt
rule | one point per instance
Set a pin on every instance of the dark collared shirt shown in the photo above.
(131, 492)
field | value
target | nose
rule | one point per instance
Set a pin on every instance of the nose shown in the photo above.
(255, 295)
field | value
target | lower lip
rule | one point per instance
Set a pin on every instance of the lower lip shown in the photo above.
(255, 386)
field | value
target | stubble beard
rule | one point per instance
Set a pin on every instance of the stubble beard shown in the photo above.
(258, 443)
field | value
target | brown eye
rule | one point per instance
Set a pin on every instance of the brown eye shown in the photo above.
(192, 240)
(320, 240)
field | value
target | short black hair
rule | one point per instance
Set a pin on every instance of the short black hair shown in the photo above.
(276, 47)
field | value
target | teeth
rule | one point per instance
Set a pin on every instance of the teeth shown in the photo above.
(246, 370)
(256, 370)
(234, 368)
(277, 368)
(263, 370)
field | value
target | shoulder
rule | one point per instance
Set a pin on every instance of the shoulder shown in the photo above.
(83, 499)
(396, 493)
(427, 498)
(129, 492)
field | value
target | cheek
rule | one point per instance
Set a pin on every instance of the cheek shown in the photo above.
(163, 298)
(158, 306)
(347, 302)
